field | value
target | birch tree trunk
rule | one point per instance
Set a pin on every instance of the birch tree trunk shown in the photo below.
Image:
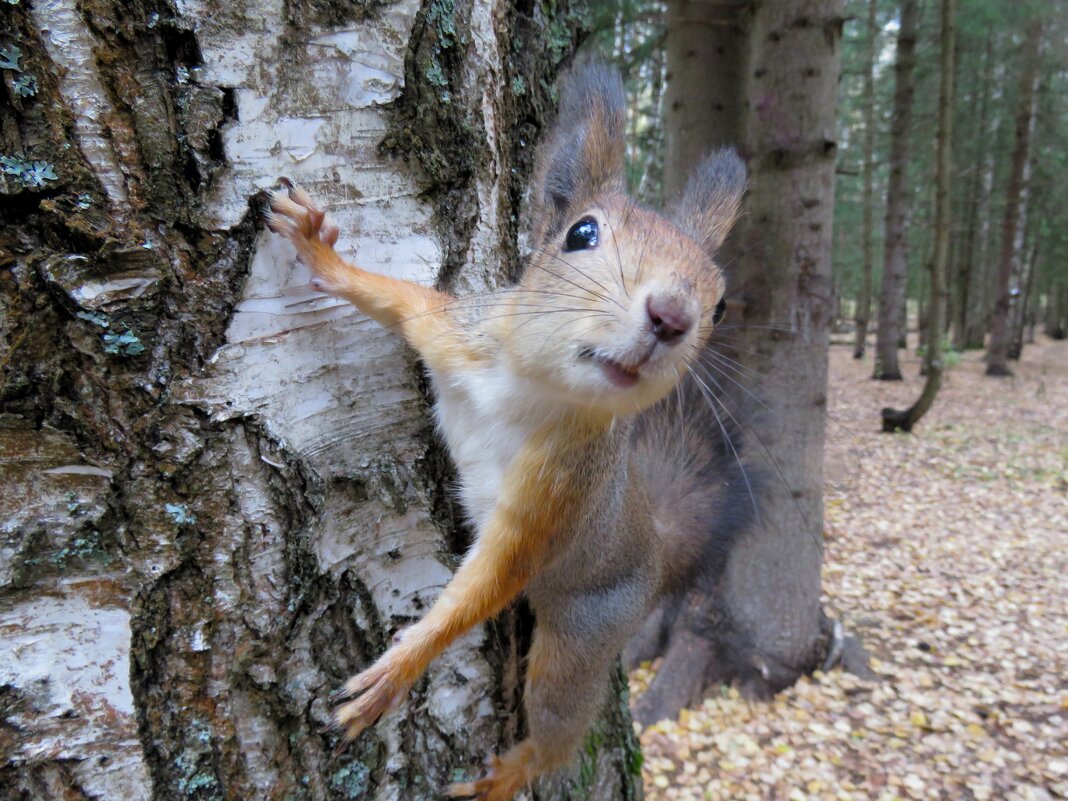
(222, 492)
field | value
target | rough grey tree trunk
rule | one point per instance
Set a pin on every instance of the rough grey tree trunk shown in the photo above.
(706, 50)
(222, 493)
(761, 624)
(895, 261)
(772, 584)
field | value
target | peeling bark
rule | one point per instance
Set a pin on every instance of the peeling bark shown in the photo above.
(222, 491)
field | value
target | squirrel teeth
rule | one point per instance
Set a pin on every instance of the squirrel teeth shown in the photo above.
(618, 374)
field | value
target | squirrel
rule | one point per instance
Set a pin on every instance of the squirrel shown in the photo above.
(553, 399)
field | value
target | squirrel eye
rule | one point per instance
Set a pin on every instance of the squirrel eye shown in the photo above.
(721, 309)
(582, 235)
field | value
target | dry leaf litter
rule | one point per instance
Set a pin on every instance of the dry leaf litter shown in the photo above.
(946, 553)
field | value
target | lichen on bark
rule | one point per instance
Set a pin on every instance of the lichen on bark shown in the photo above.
(248, 501)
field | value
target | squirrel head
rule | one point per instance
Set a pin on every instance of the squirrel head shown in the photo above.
(617, 299)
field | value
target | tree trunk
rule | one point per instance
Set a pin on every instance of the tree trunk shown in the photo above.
(1015, 193)
(1026, 311)
(985, 244)
(761, 623)
(772, 583)
(863, 314)
(968, 323)
(895, 257)
(1056, 317)
(894, 420)
(223, 494)
(706, 57)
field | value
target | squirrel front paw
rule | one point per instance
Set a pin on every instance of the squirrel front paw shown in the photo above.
(377, 690)
(294, 215)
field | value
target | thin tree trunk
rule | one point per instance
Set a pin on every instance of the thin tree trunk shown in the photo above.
(1056, 318)
(895, 259)
(894, 420)
(868, 200)
(1021, 319)
(972, 275)
(1000, 333)
(1021, 265)
(222, 494)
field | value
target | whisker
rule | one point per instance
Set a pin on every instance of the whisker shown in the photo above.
(761, 380)
(569, 265)
(707, 367)
(577, 286)
(710, 398)
(767, 451)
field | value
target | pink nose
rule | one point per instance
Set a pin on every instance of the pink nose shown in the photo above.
(668, 317)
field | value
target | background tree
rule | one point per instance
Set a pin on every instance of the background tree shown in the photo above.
(895, 262)
(934, 367)
(1012, 232)
(222, 493)
(761, 77)
(863, 314)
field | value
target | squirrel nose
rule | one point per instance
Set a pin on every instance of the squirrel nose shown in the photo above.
(668, 317)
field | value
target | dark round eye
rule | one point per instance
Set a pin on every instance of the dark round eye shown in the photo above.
(721, 309)
(582, 235)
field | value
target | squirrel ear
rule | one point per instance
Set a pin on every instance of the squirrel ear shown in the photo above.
(583, 154)
(713, 197)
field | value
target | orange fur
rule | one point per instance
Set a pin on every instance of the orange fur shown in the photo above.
(541, 489)
(506, 776)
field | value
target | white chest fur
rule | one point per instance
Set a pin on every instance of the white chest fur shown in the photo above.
(486, 414)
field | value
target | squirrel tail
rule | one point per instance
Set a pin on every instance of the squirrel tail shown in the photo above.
(689, 452)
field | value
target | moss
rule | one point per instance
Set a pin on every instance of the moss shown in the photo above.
(434, 127)
(83, 547)
(351, 781)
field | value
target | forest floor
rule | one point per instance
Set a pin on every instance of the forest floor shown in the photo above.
(947, 553)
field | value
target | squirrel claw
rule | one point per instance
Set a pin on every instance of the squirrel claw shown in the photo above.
(294, 215)
(373, 693)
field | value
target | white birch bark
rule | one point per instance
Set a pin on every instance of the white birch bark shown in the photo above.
(195, 656)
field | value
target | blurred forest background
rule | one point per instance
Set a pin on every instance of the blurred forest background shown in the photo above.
(1008, 195)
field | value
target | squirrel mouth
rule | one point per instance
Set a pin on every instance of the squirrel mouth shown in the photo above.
(622, 375)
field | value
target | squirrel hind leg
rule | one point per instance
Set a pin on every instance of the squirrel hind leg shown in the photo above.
(505, 777)
(566, 687)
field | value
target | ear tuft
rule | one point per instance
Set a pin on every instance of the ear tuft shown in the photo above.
(582, 156)
(712, 199)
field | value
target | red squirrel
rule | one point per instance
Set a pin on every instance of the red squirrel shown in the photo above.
(540, 389)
